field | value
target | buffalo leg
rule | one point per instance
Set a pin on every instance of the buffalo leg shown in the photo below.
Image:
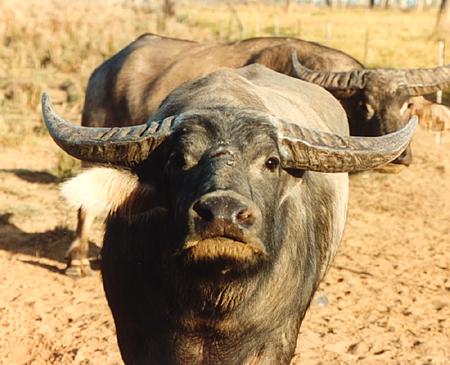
(77, 254)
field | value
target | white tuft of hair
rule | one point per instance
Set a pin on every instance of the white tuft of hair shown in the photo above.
(102, 190)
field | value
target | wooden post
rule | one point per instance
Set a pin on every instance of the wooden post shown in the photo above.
(160, 22)
(234, 14)
(276, 26)
(287, 6)
(441, 62)
(420, 5)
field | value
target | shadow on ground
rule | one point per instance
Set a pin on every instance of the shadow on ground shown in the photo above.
(51, 244)
(40, 177)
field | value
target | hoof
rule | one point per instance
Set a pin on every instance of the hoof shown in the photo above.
(73, 271)
(78, 268)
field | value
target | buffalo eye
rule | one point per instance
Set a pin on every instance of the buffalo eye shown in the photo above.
(177, 161)
(272, 164)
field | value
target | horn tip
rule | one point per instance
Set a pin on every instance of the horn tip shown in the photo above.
(296, 66)
(45, 101)
(45, 96)
(294, 58)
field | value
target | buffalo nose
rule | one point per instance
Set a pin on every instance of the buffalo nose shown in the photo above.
(224, 209)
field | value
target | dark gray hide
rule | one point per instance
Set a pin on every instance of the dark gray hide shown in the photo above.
(221, 267)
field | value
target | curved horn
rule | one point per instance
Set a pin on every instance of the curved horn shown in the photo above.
(420, 81)
(125, 146)
(344, 81)
(424, 81)
(306, 149)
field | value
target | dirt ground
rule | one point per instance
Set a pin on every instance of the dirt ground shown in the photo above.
(388, 290)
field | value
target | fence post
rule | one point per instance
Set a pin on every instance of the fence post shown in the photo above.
(276, 26)
(441, 62)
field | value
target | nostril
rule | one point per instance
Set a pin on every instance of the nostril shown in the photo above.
(223, 210)
(203, 211)
(245, 216)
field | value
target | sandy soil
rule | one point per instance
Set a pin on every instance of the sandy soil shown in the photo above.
(388, 290)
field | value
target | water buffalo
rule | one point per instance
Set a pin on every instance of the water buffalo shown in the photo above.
(227, 207)
(130, 86)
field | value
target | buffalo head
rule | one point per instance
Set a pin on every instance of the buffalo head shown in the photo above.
(381, 95)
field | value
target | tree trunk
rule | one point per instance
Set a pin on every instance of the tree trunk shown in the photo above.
(287, 5)
(442, 28)
(384, 4)
(168, 8)
(420, 5)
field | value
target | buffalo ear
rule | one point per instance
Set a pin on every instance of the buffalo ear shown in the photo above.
(106, 190)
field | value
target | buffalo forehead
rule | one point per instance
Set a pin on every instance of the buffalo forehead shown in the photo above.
(227, 127)
(298, 101)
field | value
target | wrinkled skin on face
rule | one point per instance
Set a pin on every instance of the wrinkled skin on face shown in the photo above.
(207, 274)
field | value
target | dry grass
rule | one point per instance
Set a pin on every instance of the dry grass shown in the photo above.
(55, 45)
(395, 38)
(398, 313)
